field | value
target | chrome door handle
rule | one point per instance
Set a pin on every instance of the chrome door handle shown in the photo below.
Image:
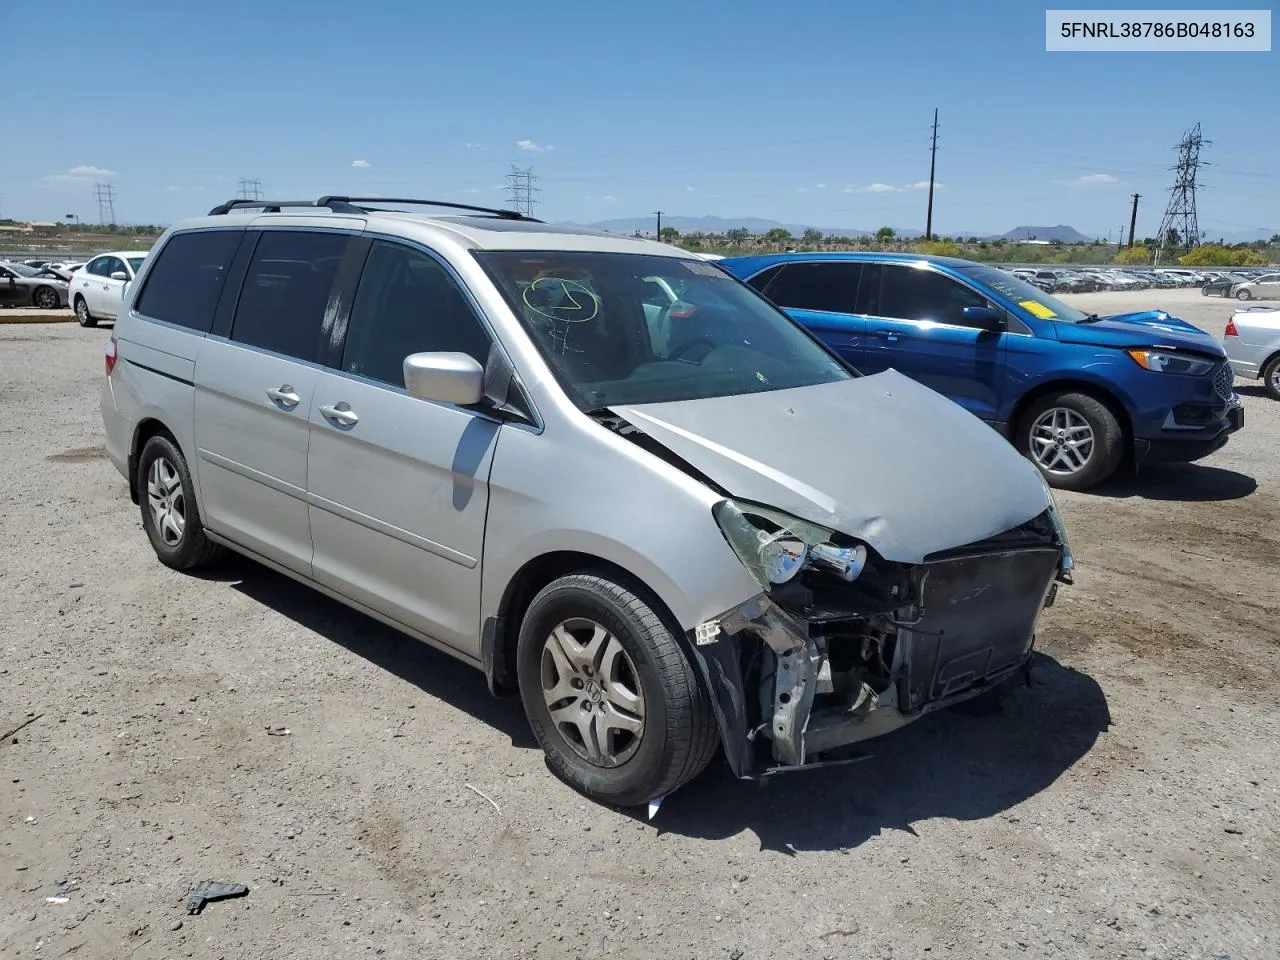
(341, 412)
(284, 396)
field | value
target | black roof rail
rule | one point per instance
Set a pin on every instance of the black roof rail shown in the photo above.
(504, 214)
(273, 206)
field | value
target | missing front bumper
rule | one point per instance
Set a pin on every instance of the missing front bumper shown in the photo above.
(778, 678)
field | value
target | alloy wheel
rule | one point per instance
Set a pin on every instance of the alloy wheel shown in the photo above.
(82, 311)
(592, 691)
(1061, 441)
(46, 298)
(167, 501)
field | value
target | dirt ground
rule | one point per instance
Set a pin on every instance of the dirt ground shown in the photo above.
(1125, 806)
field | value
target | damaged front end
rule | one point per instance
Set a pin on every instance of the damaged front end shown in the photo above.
(843, 645)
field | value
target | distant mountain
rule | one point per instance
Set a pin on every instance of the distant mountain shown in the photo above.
(755, 225)
(1061, 233)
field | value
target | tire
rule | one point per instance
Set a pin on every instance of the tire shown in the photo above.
(678, 736)
(83, 316)
(1271, 377)
(1056, 419)
(1204, 291)
(1243, 295)
(190, 548)
(46, 298)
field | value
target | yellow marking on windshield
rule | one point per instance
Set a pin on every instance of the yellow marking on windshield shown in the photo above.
(1038, 309)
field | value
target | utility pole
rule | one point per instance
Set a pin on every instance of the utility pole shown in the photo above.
(250, 189)
(1133, 220)
(933, 158)
(521, 187)
(105, 194)
(658, 235)
(1180, 226)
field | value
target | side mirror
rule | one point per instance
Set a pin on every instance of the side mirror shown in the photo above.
(984, 318)
(119, 275)
(444, 377)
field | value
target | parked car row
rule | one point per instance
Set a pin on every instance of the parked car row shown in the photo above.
(22, 285)
(1090, 279)
(94, 289)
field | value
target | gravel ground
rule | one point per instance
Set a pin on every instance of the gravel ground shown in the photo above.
(1124, 806)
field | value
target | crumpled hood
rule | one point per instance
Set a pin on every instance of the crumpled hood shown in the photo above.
(881, 458)
(1141, 329)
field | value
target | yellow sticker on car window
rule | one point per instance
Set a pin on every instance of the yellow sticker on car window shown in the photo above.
(1037, 309)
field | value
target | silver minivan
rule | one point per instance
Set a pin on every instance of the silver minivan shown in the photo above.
(600, 469)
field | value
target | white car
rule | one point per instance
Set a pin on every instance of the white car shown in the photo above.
(1265, 287)
(97, 288)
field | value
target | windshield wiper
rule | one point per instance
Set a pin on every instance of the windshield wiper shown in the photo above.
(1090, 318)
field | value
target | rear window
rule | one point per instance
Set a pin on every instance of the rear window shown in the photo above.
(186, 281)
(282, 302)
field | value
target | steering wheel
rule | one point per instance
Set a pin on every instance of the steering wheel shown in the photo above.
(676, 352)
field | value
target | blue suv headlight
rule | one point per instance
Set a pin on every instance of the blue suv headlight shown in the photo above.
(1165, 361)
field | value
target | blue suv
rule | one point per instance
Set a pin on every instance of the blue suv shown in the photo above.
(1075, 392)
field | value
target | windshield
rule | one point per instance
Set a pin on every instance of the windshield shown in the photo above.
(22, 270)
(1031, 299)
(622, 328)
(135, 264)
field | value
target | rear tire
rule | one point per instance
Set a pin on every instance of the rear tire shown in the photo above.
(83, 316)
(1054, 423)
(1271, 377)
(46, 298)
(169, 511)
(638, 669)
(1243, 295)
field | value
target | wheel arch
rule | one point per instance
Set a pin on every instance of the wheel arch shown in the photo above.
(145, 429)
(1067, 385)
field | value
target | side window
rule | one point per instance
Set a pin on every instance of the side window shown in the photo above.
(187, 279)
(285, 291)
(407, 303)
(909, 293)
(830, 286)
(97, 267)
(762, 279)
(5, 274)
(114, 265)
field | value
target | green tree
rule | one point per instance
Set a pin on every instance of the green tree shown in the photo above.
(1133, 256)
(812, 236)
(778, 235)
(737, 234)
(670, 235)
(885, 233)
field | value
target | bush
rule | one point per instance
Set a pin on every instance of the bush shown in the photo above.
(938, 248)
(1215, 255)
(1134, 256)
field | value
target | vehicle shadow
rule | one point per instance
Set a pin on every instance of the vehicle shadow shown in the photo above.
(962, 765)
(434, 673)
(1179, 481)
(1253, 390)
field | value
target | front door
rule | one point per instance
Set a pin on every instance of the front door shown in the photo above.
(398, 486)
(254, 393)
(111, 289)
(11, 291)
(916, 325)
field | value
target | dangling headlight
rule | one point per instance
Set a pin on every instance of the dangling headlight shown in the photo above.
(1068, 561)
(774, 547)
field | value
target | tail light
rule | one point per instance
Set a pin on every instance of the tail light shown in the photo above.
(110, 354)
(1231, 330)
(681, 310)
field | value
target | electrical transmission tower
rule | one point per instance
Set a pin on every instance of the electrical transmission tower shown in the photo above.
(250, 190)
(521, 188)
(1179, 227)
(105, 194)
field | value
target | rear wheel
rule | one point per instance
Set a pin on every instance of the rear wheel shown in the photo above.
(609, 692)
(83, 316)
(1243, 295)
(1271, 377)
(169, 512)
(1075, 440)
(46, 298)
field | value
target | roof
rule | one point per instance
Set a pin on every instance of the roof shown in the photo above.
(766, 260)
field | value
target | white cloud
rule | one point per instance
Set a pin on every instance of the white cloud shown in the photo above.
(475, 146)
(881, 188)
(360, 163)
(80, 174)
(605, 198)
(527, 145)
(1089, 180)
(851, 188)
(820, 186)
(172, 189)
(91, 172)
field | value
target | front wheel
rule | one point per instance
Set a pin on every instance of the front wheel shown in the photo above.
(46, 298)
(83, 316)
(1075, 440)
(1243, 295)
(609, 692)
(169, 512)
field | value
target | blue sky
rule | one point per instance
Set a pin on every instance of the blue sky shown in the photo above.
(809, 112)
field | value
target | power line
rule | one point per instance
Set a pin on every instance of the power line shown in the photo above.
(1180, 227)
(250, 189)
(933, 159)
(521, 188)
(105, 194)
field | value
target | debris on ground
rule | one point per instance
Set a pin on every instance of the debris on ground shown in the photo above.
(206, 891)
(279, 732)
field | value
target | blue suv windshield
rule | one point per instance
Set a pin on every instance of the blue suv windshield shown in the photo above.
(1031, 299)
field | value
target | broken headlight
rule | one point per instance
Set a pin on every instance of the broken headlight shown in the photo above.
(1068, 562)
(774, 547)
